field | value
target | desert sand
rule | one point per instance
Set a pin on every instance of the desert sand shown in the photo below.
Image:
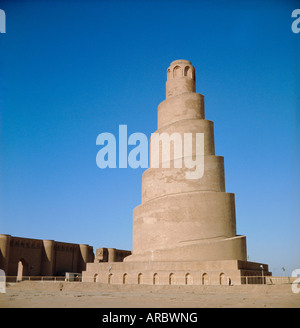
(29, 294)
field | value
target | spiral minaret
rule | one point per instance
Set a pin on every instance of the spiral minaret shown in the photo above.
(179, 218)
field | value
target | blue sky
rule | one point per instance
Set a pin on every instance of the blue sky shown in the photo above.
(70, 70)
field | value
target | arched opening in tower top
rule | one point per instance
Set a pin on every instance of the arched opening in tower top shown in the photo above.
(177, 71)
(169, 74)
(188, 72)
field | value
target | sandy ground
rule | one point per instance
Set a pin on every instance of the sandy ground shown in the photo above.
(90, 295)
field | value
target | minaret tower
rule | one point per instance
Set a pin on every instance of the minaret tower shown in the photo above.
(184, 231)
(183, 219)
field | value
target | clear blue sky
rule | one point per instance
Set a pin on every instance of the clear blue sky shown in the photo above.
(70, 70)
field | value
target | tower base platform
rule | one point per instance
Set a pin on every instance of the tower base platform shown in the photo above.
(228, 272)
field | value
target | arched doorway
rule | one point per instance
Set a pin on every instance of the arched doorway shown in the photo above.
(222, 279)
(205, 279)
(155, 279)
(140, 278)
(188, 279)
(124, 278)
(171, 279)
(96, 277)
(22, 269)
